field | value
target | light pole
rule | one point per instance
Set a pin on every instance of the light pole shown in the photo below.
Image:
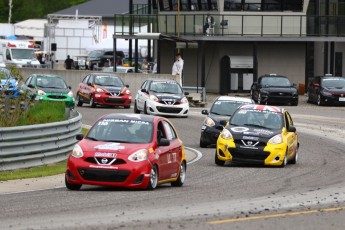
(10, 5)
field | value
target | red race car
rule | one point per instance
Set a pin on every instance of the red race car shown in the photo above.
(127, 150)
(103, 89)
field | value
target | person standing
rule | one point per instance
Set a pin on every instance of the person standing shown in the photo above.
(209, 23)
(178, 67)
(69, 62)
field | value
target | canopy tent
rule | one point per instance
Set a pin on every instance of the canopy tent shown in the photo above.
(121, 45)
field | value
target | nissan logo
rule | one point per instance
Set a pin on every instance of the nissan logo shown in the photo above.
(104, 160)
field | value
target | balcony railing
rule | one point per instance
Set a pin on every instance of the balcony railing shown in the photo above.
(227, 25)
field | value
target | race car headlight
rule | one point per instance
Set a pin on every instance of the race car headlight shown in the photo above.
(209, 122)
(140, 155)
(277, 139)
(184, 100)
(99, 90)
(226, 134)
(41, 92)
(70, 94)
(77, 151)
(153, 98)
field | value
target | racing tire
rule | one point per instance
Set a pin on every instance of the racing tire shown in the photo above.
(79, 102)
(145, 108)
(295, 158)
(127, 106)
(72, 186)
(92, 102)
(319, 100)
(202, 144)
(308, 97)
(136, 110)
(285, 161)
(217, 161)
(181, 176)
(153, 180)
(259, 99)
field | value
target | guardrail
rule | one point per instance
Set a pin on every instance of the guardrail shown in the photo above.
(35, 145)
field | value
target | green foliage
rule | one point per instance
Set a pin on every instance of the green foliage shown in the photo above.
(23, 111)
(43, 112)
(33, 9)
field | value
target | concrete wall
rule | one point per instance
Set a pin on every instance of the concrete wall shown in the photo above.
(74, 77)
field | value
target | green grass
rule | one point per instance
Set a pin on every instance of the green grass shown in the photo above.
(34, 172)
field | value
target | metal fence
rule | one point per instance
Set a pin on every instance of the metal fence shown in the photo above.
(34, 145)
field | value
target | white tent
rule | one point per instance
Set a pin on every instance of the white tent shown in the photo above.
(31, 27)
(121, 45)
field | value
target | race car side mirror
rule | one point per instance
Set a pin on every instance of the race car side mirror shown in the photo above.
(163, 142)
(291, 129)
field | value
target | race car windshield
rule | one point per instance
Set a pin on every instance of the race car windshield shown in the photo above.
(122, 131)
(108, 81)
(276, 81)
(338, 83)
(51, 82)
(165, 87)
(226, 108)
(257, 118)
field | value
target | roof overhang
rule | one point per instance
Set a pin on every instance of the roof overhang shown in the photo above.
(180, 42)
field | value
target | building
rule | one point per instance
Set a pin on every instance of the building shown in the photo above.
(296, 38)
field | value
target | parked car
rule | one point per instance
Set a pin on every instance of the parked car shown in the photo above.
(103, 89)
(258, 134)
(119, 69)
(102, 58)
(221, 111)
(274, 89)
(161, 97)
(126, 150)
(326, 89)
(50, 88)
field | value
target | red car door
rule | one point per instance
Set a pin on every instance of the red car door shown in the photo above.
(175, 150)
(164, 152)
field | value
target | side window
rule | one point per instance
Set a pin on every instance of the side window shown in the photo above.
(288, 119)
(170, 133)
(160, 131)
(143, 85)
(8, 55)
(27, 82)
(85, 79)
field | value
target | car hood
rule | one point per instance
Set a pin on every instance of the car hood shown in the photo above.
(112, 89)
(169, 97)
(282, 89)
(55, 91)
(252, 133)
(218, 118)
(90, 147)
(335, 89)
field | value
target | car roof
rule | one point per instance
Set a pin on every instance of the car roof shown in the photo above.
(161, 80)
(234, 98)
(130, 116)
(262, 108)
(46, 75)
(273, 75)
(105, 74)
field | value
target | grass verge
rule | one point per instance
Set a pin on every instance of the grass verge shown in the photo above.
(34, 172)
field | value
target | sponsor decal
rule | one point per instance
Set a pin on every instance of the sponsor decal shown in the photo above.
(250, 138)
(107, 121)
(111, 155)
(263, 131)
(239, 129)
(110, 146)
(103, 166)
(174, 175)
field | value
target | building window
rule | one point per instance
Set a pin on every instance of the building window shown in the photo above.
(263, 5)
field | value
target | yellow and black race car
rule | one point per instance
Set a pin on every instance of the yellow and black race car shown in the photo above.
(258, 134)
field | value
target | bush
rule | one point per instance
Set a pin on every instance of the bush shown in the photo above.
(22, 110)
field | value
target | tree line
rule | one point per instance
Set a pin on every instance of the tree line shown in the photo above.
(32, 9)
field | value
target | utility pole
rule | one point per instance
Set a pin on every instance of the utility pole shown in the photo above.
(10, 5)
